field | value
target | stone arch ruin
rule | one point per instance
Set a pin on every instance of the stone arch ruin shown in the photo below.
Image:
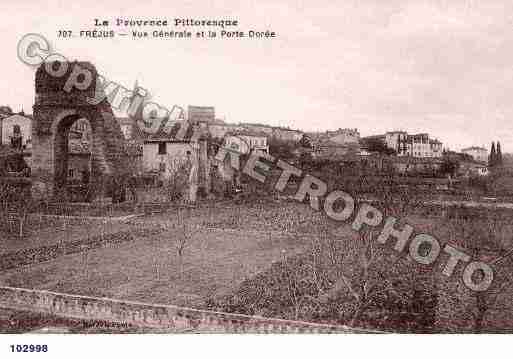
(56, 108)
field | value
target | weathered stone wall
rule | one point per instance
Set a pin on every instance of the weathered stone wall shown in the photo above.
(55, 111)
(153, 315)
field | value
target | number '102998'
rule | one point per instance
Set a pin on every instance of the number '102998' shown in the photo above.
(29, 348)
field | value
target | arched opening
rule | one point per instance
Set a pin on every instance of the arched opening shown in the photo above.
(73, 159)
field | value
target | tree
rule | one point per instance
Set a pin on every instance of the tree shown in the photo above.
(281, 148)
(378, 145)
(184, 232)
(364, 277)
(499, 154)
(176, 186)
(493, 156)
(358, 283)
(481, 234)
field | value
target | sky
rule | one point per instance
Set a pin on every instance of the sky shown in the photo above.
(441, 67)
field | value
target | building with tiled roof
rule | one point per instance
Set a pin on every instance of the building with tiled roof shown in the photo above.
(478, 153)
(246, 141)
(418, 145)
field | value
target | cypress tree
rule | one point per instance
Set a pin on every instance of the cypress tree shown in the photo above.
(499, 154)
(493, 156)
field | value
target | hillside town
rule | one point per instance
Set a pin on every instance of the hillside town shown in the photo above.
(153, 155)
(210, 223)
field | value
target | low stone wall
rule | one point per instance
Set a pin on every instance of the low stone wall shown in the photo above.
(160, 317)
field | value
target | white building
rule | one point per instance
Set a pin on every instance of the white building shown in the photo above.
(436, 148)
(17, 128)
(418, 145)
(245, 142)
(397, 140)
(166, 156)
(478, 153)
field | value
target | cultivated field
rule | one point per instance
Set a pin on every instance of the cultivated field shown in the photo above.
(275, 258)
(220, 247)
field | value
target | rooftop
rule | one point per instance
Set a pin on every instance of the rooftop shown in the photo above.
(393, 132)
(253, 133)
(474, 148)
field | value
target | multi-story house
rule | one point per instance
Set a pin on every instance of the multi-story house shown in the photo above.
(16, 131)
(160, 154)
(419, 145)
(436, 148)
(478, 153)
(397, 140)
(247, 141)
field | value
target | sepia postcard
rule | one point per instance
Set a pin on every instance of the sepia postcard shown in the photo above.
(256, 167)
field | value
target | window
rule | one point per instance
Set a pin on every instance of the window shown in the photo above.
(71, 173)
(162, 167)
(162, 148)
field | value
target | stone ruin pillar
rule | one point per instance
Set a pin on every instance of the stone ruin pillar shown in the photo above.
(62, 97)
